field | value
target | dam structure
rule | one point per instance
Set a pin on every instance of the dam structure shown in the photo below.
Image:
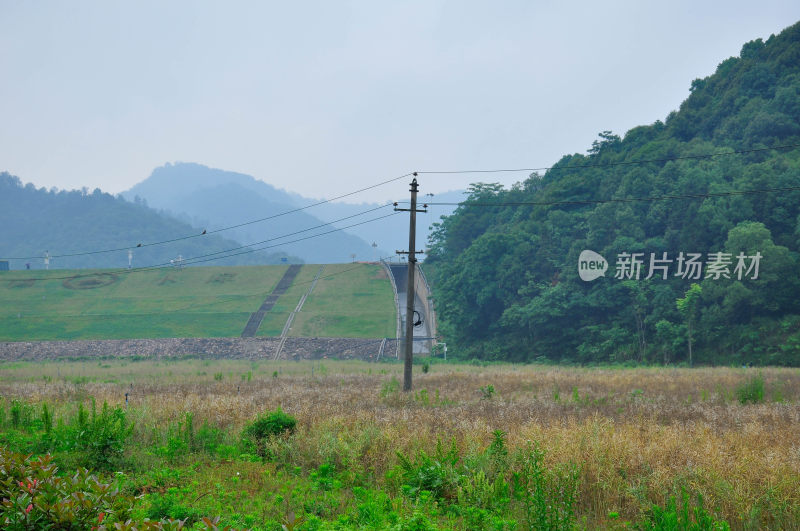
(425, 331)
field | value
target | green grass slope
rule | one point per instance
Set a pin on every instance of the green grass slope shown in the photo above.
(350, 300)
(274, 321)
(192, 302)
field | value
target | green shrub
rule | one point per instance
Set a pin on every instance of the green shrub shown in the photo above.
(101, 437)
(47, 419)
(272, 424)
(391, 387)
(436, 474)
(684, 517)
(170, 505)
(208, 438)
(548, 496)
(752, 391)
(21, 414)
(34, 497)
(487, 392)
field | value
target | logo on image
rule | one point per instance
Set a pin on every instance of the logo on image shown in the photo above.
(591, 265)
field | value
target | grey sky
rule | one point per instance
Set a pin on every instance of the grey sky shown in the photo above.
(325, 97)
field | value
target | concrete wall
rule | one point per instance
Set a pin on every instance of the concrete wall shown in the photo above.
(424, 293)
(219, 348)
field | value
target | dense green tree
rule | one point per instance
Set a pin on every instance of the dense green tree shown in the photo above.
(504, 264)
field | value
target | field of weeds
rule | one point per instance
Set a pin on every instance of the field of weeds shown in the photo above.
(472, 447)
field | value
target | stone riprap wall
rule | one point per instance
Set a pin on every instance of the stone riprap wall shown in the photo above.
(225, 348)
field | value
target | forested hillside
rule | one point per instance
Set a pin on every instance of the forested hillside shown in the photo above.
(506, 279)
(74, 222)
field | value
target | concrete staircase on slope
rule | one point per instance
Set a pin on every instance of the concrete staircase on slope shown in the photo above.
(283, 284)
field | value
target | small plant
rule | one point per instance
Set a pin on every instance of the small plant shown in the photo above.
(548, 496)
(291, 521)
(683, 516)
(21, 414)
(487, 392)
(47, 419)
(170, 505)
(752, 391)
(218, 376)
(426, 367)
(777, 393)
(422, 397)
(389, 388)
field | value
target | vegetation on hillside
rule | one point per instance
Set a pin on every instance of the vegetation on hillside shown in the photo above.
(506, 277)
(353, 300)
(78, 221)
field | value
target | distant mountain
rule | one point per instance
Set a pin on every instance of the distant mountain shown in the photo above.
(74, 222)
(215, 199)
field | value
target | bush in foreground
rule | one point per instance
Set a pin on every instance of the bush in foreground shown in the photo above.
(33, 496)
(265, 427)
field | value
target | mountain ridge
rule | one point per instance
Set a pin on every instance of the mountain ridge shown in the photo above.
(219, 198)
(85, 224)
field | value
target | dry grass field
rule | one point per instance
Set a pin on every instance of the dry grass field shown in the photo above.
(637, 435)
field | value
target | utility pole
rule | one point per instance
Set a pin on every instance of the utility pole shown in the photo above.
(410, 291)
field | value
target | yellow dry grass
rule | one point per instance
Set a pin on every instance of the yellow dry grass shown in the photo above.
(637, 434)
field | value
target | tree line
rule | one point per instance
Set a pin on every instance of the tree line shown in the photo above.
(505, 273)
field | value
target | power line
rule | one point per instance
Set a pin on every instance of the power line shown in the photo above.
(206, 232)
(272, 239)
(248, 245)
(286, 243)
(621, 200)
(192, 260)
(611, 164)
(500, 170)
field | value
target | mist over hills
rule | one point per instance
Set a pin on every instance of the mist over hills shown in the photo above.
(215, 198)
(75, 222)
(183, 199)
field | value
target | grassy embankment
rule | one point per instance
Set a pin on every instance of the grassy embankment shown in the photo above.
(631, 437)
(193, 302)
(348, 301)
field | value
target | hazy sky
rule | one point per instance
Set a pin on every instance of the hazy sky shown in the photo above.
(325, 97)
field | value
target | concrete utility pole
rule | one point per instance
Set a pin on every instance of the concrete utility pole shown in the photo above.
(410, 291)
